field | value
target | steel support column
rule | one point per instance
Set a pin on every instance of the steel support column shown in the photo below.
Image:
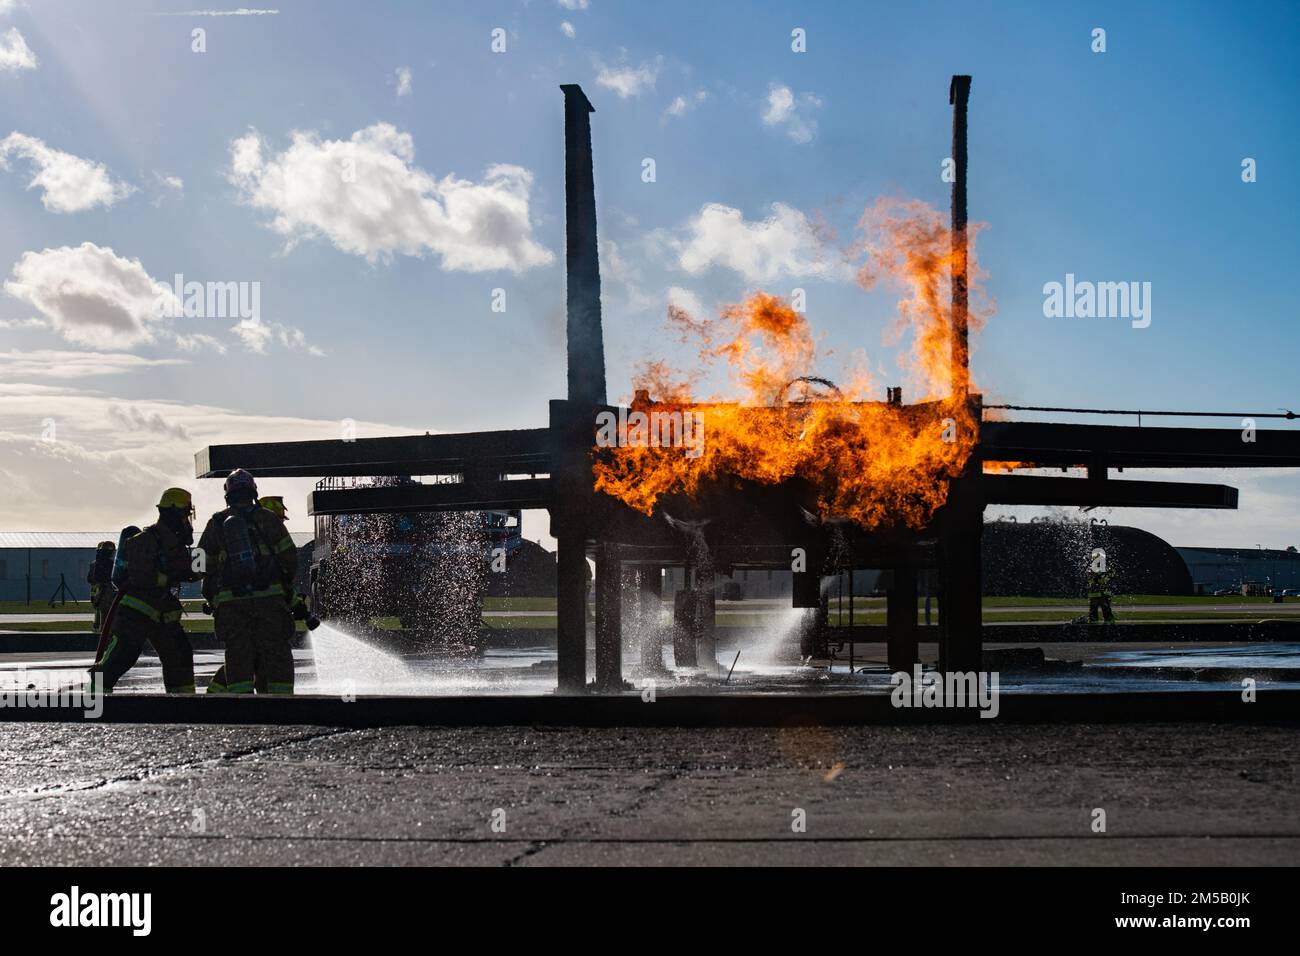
(609, 620)
(900, 620)
(706, 622)
(684, 630)
(571, 615)
(650, 589)
(961, 642)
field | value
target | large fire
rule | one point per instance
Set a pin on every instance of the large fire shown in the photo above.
(875, 463)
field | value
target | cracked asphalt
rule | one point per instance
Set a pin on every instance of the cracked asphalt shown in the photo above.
(1006, 794)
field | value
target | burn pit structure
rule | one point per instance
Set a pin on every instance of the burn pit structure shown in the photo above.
(743, 525)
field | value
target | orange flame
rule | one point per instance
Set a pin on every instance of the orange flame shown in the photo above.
(872, 462)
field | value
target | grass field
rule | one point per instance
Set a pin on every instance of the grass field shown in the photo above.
(867, 611)
(862, 618)
(1118, 600)
(860, 603)
(191, 625)
(72, 607)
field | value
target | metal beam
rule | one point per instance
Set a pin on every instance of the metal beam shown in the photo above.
(522, 451)
(447, 496)
(1127, 446)
(1113, 493)
(528, 451)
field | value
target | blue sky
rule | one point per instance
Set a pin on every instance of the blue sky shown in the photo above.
(1115, 166)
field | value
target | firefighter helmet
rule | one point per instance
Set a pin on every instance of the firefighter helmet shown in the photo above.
(177, 498)
(239, 486)
(275, 505)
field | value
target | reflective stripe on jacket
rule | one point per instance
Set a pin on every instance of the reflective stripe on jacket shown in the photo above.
(147, 588)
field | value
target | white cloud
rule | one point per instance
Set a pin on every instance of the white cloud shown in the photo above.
(787, 110)
(256, 335)
(403, 79)
(686, 300)
(613, 266)
(69, 183)
(618, 273)
(629, 81)
(64, 485)
(198, 342)
(239, 12)
(574, 4)
(68, 364)
(91, 296)
(113, 455)
(567, 29)
(133, 418)
(88, 294)
(365, 196)
(15, 54)
(784, 244)
(682, 105)
(166, 187)
(780, 105)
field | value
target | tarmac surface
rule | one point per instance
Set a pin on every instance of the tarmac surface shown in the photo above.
(1002, 791)
(340, 665)
(963, 795)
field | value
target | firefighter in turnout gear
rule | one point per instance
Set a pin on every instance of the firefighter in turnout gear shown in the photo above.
(100, 579)
(218, 684)
(153, 563)
(250, 558)
(299, 606)
(275, 505)
(1099, 596)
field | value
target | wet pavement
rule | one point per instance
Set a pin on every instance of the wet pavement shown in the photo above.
(1202, 793)
(989, 793)
(338, 664)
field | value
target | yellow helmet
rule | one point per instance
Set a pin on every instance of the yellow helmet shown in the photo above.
(275, 505)
(177, 498)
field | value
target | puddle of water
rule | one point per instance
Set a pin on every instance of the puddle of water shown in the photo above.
(1245, 656)
(339, 663)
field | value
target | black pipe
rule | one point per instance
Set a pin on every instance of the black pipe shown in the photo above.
(959, 96)
(586, 345)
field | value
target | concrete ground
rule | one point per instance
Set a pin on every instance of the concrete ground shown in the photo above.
(985, 793)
